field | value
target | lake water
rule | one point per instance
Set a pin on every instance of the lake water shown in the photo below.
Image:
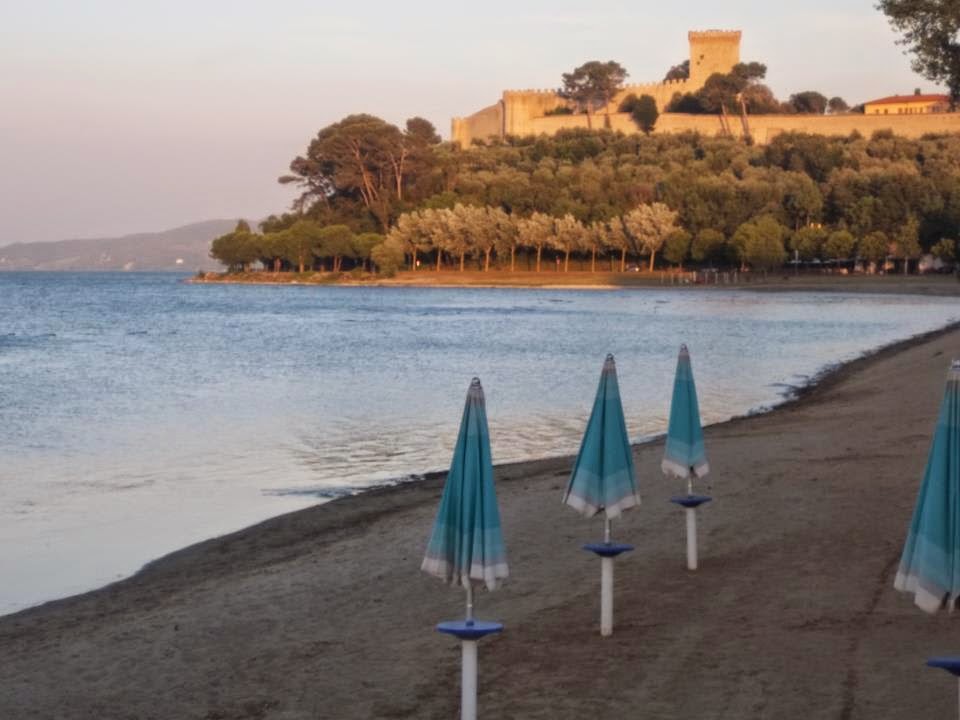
(139, 414)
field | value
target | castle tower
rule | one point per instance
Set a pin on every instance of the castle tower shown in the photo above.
(712, 51)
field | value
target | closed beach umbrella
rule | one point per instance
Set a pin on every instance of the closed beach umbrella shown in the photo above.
(603, 479)
(684, 454)
(930, 564)
(466, 544)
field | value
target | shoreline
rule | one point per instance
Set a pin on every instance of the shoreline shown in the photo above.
(930, 285)
(831, 372)
(308, 552)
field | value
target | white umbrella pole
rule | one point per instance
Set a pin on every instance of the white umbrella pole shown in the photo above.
(691, 528)
(691, 539)
(468, 680)
(468, 687)
(606, 587)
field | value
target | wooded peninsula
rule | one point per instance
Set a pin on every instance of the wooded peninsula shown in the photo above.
(380, 198)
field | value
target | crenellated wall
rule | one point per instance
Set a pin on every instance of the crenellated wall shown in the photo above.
(523, 112)
(763, 128)
(519, 112)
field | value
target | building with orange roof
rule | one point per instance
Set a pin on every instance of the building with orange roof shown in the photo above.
(915, 104)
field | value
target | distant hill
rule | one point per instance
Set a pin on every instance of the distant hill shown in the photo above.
(183, 248)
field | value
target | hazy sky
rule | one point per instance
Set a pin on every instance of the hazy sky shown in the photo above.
(120, 116)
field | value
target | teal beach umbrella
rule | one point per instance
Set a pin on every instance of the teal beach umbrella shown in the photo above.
(930, 564)
(684, 455)
(466, 544)
(603, 480)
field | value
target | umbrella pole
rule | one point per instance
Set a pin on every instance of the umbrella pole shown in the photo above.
(468, 682)
(691, 528)
(691, 539)
(606, 586)
(468, 666)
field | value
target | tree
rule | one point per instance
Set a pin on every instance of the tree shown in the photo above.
(837, 105)
(874, 247)
(930, 32)
(593, 85)
(759, 242)
(271, 248)
(507, 234)
(298, 242)
(677, 247)
(907, 241)
(363, 159)
(650, 225)
(335, 241)
(678, 72)
(422, 130)
(709, 245)
(411, 234)
(388, 257)
(235, 249)
(808, 242)
(535, 232)
(840, 245)
(363, 245)
(569, 236)
(616, 239)
(809, 102)
(945, 249)
(643, 111)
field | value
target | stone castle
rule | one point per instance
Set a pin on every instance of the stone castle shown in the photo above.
(524, 112)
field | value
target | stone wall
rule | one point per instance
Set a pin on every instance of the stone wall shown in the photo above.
(523, 112)
(520, 106)
(479, 126)
(764, 128)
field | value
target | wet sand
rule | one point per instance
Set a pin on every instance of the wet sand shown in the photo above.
(323, 613)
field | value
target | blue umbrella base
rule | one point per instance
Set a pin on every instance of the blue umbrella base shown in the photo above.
(690, 501)
(950, 664)
(608, 549)
(469, 629)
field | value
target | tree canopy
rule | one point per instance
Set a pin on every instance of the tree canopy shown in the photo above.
(929, 30)
(593, 85)
(577, 195)
(643, 111)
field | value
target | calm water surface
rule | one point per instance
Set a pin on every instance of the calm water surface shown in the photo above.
(139, 414)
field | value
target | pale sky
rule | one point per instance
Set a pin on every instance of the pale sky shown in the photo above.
(120, 116)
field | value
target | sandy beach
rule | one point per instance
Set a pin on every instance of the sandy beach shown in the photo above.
(323, 613)
(932, 284)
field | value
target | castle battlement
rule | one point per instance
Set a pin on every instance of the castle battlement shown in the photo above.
(729, 35)
(519, 111)
(531, 91)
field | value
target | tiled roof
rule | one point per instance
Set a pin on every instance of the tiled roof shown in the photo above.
(908, 99)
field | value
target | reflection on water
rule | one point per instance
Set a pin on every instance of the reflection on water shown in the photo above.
(138, 414)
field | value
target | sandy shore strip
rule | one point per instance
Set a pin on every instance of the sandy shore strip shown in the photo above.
(934, 285)
(323, 613)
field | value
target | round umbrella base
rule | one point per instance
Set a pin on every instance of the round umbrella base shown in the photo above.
(608, 549)
(690, 501)
(469, 629)
(950, 664)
